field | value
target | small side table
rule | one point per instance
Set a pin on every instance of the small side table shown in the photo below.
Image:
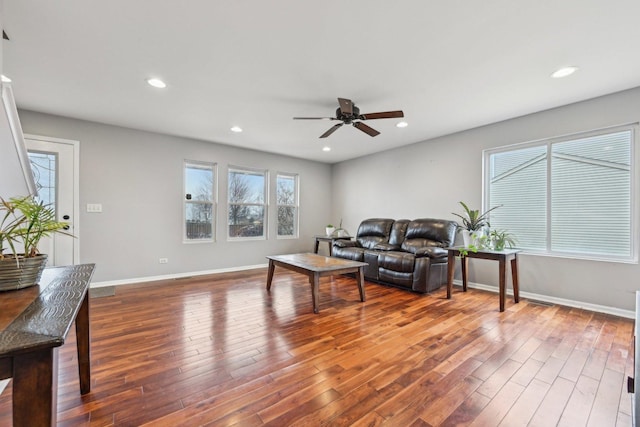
(502, 257)
(330, 239)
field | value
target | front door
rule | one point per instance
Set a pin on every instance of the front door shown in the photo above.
(55, 167)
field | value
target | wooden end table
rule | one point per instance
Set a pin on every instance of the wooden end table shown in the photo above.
(316, 266)
(504, 256)
(330, 239)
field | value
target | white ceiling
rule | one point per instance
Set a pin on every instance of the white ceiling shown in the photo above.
(450, 64)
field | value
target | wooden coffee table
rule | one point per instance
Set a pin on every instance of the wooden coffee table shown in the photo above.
(316, 266)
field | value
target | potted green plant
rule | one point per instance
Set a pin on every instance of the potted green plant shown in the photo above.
(473, 222)
(23, 223)
(502, 239)
(329, 229)
(340, 232)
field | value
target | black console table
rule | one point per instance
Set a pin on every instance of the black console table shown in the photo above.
(34, 322)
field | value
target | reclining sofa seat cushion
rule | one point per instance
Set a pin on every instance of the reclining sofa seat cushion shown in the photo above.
(371, 232)
(421, 263)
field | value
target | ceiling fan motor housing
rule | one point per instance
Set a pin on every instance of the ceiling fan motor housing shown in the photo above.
(348, 118)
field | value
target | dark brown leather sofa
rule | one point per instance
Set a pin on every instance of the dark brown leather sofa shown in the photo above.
(403, 253)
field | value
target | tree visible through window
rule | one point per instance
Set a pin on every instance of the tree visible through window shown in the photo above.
(199, 200)
(287, 200)
(566, 196)
(247, 208)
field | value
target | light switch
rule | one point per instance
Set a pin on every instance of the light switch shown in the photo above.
(94, 207)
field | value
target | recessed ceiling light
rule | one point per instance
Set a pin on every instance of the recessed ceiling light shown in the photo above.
(157, 83)
(5, 79)
(564, 72)
(326, 148)
(402, 124)
(236, 129)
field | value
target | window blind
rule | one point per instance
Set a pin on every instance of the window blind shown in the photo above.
(570, 196)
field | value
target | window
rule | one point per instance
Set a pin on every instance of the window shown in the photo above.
(287, 200)
(247, 203)
(199, 201)
(567, 196)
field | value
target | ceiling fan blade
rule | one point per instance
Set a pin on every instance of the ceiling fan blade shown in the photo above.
(382, 115)
(314, 118)
(346, 106)
(332, 130)
(366, 129)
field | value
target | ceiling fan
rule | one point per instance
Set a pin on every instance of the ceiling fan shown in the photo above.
(348, 113)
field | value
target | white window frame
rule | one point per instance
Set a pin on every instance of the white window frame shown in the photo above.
(214, 202)
(296, 205)
(549, 142)
(264, 204)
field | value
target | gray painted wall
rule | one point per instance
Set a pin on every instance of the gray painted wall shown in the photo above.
(137, 176)
(429, 178)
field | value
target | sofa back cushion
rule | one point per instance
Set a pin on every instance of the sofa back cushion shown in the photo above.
(398, 232)
(373, 231)
(428, 232)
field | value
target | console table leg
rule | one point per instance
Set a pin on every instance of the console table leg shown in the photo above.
(514, 277)
(502, 275)
(83, 338)
(35, 385)
(451, 266)
(464, 263)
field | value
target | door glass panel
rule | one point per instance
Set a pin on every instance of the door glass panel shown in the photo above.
(43, 166)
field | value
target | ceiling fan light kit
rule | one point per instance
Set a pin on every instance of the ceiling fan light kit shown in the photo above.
(349, 114)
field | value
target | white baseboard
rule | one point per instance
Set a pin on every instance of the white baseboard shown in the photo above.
(560, 301)
(529, 295)
(174, 276)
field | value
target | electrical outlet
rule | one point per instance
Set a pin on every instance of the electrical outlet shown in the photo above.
(163, 260)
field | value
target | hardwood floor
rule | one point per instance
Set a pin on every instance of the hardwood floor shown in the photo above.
(219, 350)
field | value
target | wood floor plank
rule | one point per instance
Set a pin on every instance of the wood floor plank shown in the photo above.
(221, 350)
(550, 409)
(579, 406)
(602, 413)
(523, 409)
(495, 382)
(494, 412)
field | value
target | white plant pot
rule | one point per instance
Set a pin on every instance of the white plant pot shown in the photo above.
(466, 238)
(329, 230)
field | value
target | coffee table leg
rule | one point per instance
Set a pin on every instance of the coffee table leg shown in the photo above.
(360, 279)
(315, 284)
(270, 274)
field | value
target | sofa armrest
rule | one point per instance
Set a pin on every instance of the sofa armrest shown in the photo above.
(431, 252)
(386, 247)
(342, 243)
